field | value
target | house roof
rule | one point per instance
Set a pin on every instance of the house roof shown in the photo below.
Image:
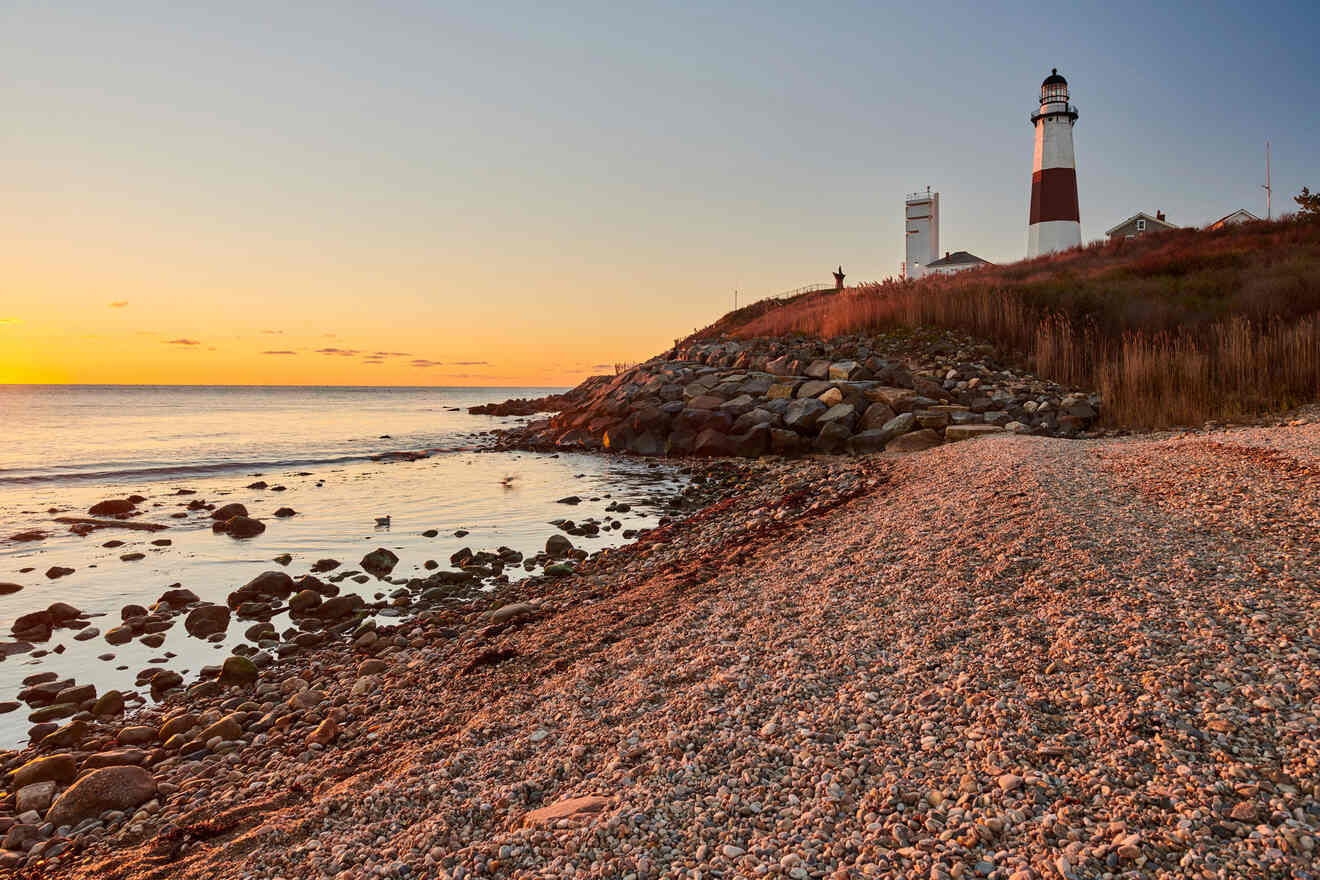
(957, 258)
(1243, 212)
(1140, 215)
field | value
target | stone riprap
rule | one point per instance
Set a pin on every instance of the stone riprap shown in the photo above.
(852, 394)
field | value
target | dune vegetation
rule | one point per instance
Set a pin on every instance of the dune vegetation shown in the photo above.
(1173, 329)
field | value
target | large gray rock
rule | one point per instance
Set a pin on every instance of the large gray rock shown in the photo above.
(743, 403)
(110, 788)
(228, 512)
(839, 414)
(818, 369)
(779, 366)
(833, 437)
(900, 424)
(803, 413)
(845, 370)
(872, 440)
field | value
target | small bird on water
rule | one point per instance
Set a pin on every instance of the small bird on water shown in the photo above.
(507, 482)
(383, 520)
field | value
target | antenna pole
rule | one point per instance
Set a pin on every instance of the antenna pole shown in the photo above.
(1269, 193)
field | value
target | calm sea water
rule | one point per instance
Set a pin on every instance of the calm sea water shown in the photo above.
(67, 447)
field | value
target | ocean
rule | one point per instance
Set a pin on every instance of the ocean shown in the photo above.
(338, 455)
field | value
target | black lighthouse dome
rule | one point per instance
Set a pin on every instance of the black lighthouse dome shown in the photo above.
(1054, 87)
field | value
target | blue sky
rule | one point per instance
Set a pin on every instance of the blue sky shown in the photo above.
(575, 166)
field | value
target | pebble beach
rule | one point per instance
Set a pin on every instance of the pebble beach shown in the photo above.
(1017, 657)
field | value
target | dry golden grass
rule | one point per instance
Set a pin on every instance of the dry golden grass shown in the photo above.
(1173, 329)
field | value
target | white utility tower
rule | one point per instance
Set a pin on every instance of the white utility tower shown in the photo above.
(921, 218)
(1055, 223)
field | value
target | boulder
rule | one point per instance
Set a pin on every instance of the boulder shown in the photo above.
(340, 606)
(265, 585)
(705, 401)
(380, 562)
(845, 370)
(109, 703)
(181, 723)
(830, 396)
(711, 442)
(136, 735)
(802, 414)
(646, 444)
(818, 369)
(285, 512)
(207, 621)
(33, 621)
(7, 587)
(36, 796)
(60, 768)
(954, 433)
(833, 437)
(781, 390)
(110, 788)
(914, 442)
(112, 507)
(557, 546)
(743, 403)
(304, 600)
(900, 424)
(872, 440)
(839, 414)
(877, 415)
(178, 598)
(62, 612)
(896, 398)
(753, 442)
(119, 635)
(813, 389)
(680, 443)
(228, 512)
(785, 442)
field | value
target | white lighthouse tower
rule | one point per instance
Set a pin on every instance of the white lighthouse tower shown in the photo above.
(1055, 221)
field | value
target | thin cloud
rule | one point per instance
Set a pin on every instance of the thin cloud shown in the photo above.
(423, 362)
(182, 341)
(119, 304)
(471, 363)
(273, 332)
(390, 354)
(600, 366)
(282, 351)
(339, 352)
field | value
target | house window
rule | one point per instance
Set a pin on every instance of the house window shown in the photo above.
(1141, 226)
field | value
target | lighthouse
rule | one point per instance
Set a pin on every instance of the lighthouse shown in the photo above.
(1055, 223)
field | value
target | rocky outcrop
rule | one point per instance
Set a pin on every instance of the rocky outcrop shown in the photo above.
(847, 395)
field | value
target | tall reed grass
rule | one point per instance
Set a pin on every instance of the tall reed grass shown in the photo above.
(1172, 329)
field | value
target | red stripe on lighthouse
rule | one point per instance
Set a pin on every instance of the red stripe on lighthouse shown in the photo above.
(1054, 195)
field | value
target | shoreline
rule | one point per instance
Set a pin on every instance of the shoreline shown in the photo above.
(1015, 658)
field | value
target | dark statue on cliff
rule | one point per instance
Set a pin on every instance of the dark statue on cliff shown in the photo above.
(838, 278)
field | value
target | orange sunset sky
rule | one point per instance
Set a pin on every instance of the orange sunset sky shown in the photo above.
(522, 193)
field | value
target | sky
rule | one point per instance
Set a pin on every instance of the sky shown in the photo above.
(408, 193)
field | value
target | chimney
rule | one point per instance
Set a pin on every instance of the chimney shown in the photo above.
(1159, 215)
(946, 255)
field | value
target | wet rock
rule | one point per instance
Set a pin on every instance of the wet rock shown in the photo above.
(712, 442)
(557, 546)
(136, 735)
(380, 561)
(304, 600)
(244, 527)
(238, 671)
(802, 414)
(323, 565)
(109, 703)
(228, 512)
(119, 635)
(268, 584)
(207, 620)
(58, 571)
(112, 507)
(285, 512)
(7, 588)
